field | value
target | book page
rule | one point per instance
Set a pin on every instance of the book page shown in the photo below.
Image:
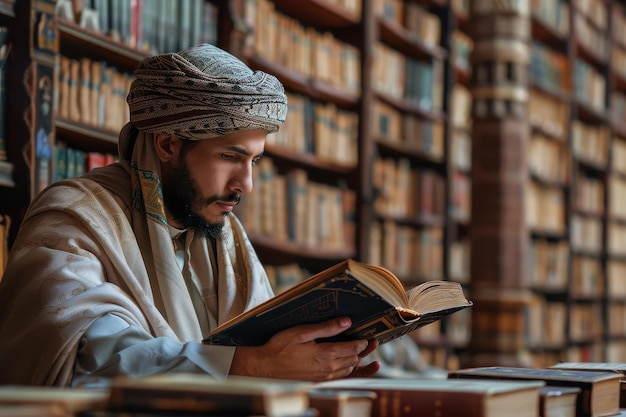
(382, 281)
(436, 295)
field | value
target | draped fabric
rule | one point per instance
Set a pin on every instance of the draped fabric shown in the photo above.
(98, 245)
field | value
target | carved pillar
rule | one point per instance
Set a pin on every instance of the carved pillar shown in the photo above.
(500, 66)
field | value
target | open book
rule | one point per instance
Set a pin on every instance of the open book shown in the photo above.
(372, 296)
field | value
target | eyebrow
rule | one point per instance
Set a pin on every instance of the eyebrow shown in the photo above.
(242, 151)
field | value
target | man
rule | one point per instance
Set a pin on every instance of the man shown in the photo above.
(125, 270)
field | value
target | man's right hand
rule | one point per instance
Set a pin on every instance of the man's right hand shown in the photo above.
(295, 354)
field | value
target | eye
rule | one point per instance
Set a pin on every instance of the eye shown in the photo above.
(256, 160)
(228, 156)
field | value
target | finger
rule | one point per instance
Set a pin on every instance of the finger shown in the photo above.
(310, 332)
(351, 349)
(365, 371)
(371, 346)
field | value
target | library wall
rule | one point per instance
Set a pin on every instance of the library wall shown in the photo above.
(575, 181)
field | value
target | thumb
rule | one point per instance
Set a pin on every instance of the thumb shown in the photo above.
(311, 332)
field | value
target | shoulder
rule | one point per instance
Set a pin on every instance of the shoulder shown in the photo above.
(106, 188)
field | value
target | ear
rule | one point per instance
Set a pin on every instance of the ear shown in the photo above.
(167, 147)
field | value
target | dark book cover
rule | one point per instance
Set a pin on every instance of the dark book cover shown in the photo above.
(340, 294)
(445, 398)
(600, 391)
(202, 394)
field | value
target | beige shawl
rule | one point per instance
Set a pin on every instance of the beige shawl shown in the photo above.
(99, 245)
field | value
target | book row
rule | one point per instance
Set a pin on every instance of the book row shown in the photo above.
(70, 162)
(93, 93)
(415, 255)
(565, 389)
(290, 207)
(404, 191)
(284, 41)
(324, 130)
(420, 135)
(151, 26)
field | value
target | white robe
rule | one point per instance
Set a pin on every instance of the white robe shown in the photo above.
(93, 247)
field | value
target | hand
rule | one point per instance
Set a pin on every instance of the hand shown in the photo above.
(294, 354)
(371, 368)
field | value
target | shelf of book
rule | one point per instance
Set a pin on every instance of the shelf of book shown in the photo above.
(578, 118)
(400, 122)
(79, 41)
(589, 143)
(388, 132)
(7, 8)
(615, 230)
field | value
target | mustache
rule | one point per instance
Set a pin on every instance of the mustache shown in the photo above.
(230, 198)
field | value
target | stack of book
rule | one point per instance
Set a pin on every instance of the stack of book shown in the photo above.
(599, 390)
(564, 390)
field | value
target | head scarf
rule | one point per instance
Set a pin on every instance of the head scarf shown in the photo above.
(200, 93)
(204, 91)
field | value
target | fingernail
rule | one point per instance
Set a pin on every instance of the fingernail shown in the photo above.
(344, 322)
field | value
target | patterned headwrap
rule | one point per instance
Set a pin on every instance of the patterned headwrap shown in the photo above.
(201, 92)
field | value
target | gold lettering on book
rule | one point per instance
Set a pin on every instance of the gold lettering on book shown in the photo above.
(319, 308)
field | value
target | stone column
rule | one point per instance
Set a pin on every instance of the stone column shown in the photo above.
(500, 132)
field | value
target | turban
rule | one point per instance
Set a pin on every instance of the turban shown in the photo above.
(203, 90)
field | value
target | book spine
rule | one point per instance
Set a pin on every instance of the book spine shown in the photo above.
(583, 402)
(175, 400)
(411, 403)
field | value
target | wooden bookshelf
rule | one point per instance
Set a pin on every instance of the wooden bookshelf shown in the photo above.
(416, 171)
(573, 218)
(615, 300)
(336, 140)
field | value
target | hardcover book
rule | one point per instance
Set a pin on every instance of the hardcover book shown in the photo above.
(373, 297)
(445, 397)
(50, 401)
(203, 394)
(600, 391)
(619, 368)
(558, 401)
(592, 366)
(342, 403)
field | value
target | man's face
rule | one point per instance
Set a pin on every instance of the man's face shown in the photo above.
(204, 180)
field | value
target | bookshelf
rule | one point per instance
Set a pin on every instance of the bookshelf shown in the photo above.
(368, 136)
(302, 216)
(406, 225)
(455, 24)
(28, 76)
(414, 175)
(616, 181)
(395, 177)
(550, 179)
(568, 286)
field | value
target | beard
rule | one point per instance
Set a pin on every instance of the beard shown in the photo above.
(180, 195)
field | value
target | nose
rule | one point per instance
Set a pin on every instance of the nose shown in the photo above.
(242, 180)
